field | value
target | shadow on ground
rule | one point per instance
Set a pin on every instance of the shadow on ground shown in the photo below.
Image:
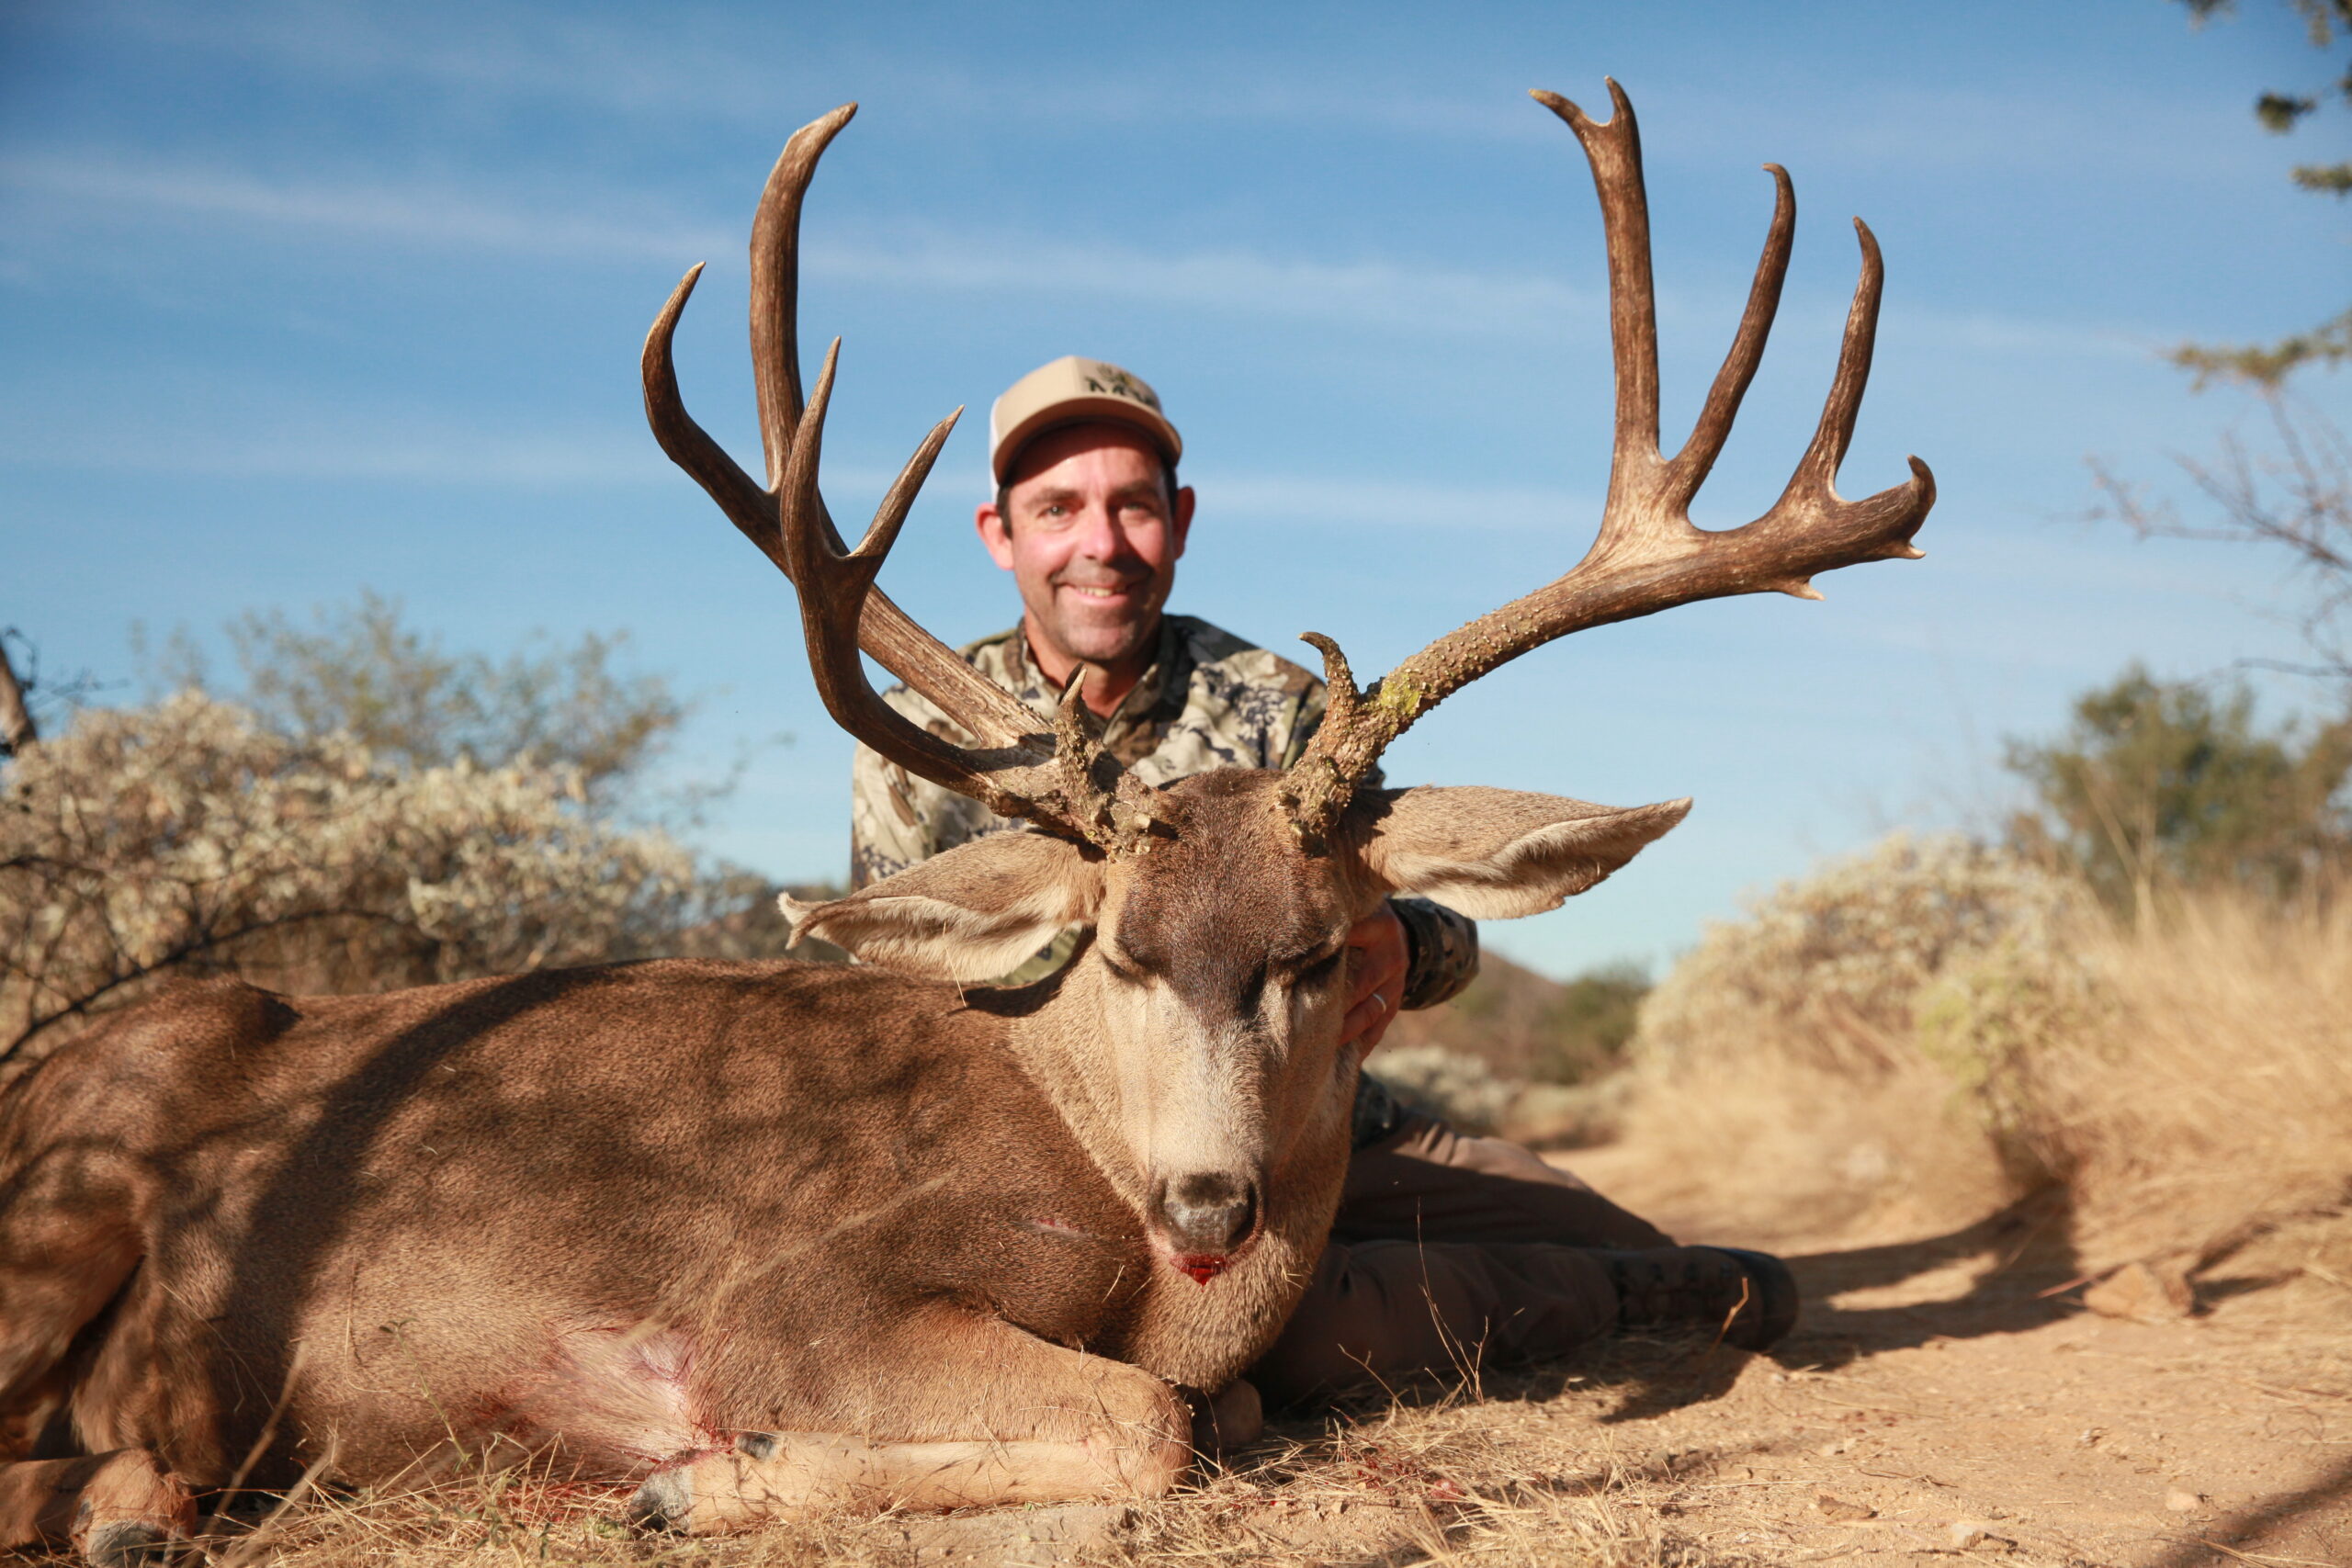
(2025, 1286)
(2241, 1534)
(2032, 1259)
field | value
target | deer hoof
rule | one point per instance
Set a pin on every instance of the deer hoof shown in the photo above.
(127, 1543)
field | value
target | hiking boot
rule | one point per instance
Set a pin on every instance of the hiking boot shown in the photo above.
(1749, 1298)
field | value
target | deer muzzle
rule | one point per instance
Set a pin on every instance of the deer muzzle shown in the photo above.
(1204, 1218)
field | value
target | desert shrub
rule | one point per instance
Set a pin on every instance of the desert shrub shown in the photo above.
(1831, 972)
(1585, 1029)
(2211, 1101)
(189, 838)
(2157, 785)
(1446, 1084)
(1853, 1042)
(1933, 1025)
(360, 671)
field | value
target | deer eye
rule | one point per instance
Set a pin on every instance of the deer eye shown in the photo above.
(1315, 971)
(1253, 988)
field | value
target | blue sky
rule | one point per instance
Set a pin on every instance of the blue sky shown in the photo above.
(301, 299)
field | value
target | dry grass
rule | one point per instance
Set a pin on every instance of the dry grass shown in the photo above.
(2188, 1077)
(2215, 1099)
(1519, 1471)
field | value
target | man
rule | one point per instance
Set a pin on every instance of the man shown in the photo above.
(1445, 1246)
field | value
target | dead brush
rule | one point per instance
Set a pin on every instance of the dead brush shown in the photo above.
(1913, 1035)
(1453, 1478)
(2214, 1106)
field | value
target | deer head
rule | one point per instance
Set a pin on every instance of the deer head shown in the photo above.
(1202, 1019)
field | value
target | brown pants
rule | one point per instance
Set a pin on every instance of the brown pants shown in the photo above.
(1449, 1251)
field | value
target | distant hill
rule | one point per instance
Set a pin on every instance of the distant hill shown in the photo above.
(1527, 1027)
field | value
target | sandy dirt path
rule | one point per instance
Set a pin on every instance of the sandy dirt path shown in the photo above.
(1949, 1394)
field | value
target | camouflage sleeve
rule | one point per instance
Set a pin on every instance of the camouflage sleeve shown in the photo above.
(887, 833)
(1304, 720)
(1442, 949)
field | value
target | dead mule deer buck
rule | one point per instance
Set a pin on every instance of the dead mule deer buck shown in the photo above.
(770, 1238)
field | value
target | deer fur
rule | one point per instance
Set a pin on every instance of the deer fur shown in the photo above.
(767, 1238)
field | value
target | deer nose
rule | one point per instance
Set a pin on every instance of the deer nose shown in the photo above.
(1208, 1212)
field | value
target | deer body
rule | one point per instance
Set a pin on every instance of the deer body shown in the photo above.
(507, 1216)
(627, 1212)
(775, 1238)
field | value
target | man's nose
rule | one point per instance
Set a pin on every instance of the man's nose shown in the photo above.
(1101, 537)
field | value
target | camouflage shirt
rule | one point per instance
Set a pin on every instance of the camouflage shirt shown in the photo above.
(1208, 700)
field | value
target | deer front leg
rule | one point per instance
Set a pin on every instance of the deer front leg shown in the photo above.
(117, 1509)
(1016, 1421)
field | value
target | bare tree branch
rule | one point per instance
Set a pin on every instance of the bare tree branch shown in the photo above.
(2295, 499)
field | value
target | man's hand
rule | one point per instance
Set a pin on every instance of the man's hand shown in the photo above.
(1376, 963)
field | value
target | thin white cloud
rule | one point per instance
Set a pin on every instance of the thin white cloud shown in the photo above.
(1368, 292)
(441, 219)
(666, 65)
(413, 452)
(669, 63)
(528, 460)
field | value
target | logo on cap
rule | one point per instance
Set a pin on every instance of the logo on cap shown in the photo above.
(1110, 379)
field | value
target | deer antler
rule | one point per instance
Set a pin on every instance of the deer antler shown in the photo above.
(1648, 555)
(1063, 780)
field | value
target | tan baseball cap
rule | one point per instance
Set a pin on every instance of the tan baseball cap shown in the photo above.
(1072, 390)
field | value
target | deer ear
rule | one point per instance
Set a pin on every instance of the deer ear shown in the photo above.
(971, 913)
(1495, 854)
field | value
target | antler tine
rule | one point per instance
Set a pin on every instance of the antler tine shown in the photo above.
(1647, 556)
(834, 584)
(748, 506)
(1614, 147)
(888, 634)
(1817, 471)
(1019, 767)
(775, 287)
(1697, 458)
(1069, 785)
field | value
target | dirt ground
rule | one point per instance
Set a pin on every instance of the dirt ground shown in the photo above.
(1948, 1393)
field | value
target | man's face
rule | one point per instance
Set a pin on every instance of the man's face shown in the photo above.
(1090, 535)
